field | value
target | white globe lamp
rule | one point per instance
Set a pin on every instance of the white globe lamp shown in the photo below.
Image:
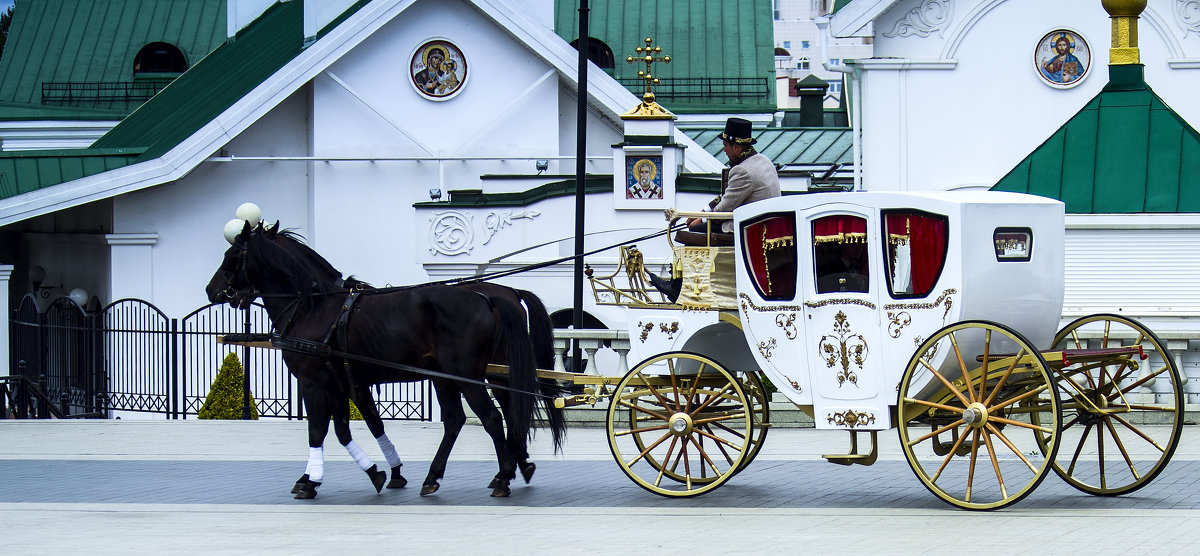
(79, 296)
(250, 213)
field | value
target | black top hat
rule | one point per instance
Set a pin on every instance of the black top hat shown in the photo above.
(738, 131)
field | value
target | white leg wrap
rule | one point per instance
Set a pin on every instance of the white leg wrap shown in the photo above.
(316, 464)
(360, 457)
(389, 451)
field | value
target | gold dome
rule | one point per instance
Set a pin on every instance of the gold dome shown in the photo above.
(1127, 8)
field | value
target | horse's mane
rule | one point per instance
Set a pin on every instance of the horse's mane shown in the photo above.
(316, 259)
(275, 256)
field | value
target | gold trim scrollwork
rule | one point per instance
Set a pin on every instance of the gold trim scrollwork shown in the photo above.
(898, 322)
(748, 304)
(670, 331)
(788, 324)
(645, 327)
(845, 349)
(944, 298)
(844, 301)
(765, 348)
(851, 418)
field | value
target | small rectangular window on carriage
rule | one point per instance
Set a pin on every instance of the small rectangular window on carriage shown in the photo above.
(840, 255)
(1013, 244)
(769, 253)
(916, 251)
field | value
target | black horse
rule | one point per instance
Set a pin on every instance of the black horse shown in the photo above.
(541, 330)
(387, 336)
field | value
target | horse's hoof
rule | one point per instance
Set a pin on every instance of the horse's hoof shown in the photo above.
(377, 478)
(496, 482)
(527, 471)
(303, 480)
(426, 490)
(308, 491)
(501, 491)
(397, 480)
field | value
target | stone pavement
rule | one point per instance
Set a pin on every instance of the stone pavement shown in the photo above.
(153, 487)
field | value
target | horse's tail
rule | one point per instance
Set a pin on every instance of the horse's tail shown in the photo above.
(522, 371)
(541, 328)
(541, 334)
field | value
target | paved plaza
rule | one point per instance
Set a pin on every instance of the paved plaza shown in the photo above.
(154, 487)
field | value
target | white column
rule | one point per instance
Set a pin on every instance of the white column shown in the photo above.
(132, 266)
(5, 274)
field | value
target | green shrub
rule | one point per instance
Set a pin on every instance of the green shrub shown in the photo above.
(224, 399)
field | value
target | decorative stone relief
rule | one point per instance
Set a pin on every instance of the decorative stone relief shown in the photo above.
(930, 17)
(1187, 15)
(451, 233)
(496, 220)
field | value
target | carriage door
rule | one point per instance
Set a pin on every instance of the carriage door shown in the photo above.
(841, 319)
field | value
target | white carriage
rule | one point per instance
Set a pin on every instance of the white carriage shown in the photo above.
(934, 313)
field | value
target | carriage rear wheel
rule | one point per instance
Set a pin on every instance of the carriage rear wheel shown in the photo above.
(760, 412)
(978, 418)
(1122, 416)
(682, 417)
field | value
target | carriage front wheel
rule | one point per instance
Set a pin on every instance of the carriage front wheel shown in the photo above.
(1122, 415)
(679, 424)
(978, 415)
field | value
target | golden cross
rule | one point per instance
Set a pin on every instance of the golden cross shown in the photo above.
(647, 54)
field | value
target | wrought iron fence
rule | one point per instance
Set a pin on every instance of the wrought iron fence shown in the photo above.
(76, 93)
(703, 87)
(132, 357)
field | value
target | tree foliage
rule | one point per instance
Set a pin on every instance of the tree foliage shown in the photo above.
(224, 399)
(5, 22)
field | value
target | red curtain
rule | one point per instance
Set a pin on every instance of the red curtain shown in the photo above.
(839, 228)
(928, 251)
(926, 237)
(762, 241)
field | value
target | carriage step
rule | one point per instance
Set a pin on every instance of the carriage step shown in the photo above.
(854, 457)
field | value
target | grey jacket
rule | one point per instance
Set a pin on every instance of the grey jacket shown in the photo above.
(753, 179)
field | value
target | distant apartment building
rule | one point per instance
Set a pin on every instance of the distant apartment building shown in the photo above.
(798, 50)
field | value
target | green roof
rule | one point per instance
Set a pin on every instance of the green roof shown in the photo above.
(213, 85)
(189, 103)
(839, 4)
(99, 39)
(1126, 151)
(724, 47)
(788, 146)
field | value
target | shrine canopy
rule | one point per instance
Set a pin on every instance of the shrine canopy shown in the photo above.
(1126, 151)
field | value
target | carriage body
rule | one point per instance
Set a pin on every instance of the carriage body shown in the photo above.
(836, 291)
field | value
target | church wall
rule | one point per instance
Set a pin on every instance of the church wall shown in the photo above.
(189, 215)
(509, 107)
(969, 125)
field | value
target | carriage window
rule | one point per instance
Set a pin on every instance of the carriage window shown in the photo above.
(840, 254)
(769, 253)
(916, 251)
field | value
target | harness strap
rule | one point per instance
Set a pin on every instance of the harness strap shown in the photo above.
(309, 347)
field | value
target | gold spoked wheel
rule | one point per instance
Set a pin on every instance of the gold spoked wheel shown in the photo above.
(760, 412)
(1122, 413)
(979, 420)
(681, 417)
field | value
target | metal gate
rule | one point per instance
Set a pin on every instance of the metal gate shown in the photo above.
(132, 357)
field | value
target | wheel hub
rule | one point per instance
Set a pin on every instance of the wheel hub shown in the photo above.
(680, 424)
(975, 415)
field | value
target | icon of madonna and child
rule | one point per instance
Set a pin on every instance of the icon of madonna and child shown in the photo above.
(438, 69)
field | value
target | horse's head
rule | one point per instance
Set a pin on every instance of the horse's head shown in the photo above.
(230, 282)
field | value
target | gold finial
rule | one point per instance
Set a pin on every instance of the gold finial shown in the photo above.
(1124, 14)
(647, 55)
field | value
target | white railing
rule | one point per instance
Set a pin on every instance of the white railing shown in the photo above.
(591, 342)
